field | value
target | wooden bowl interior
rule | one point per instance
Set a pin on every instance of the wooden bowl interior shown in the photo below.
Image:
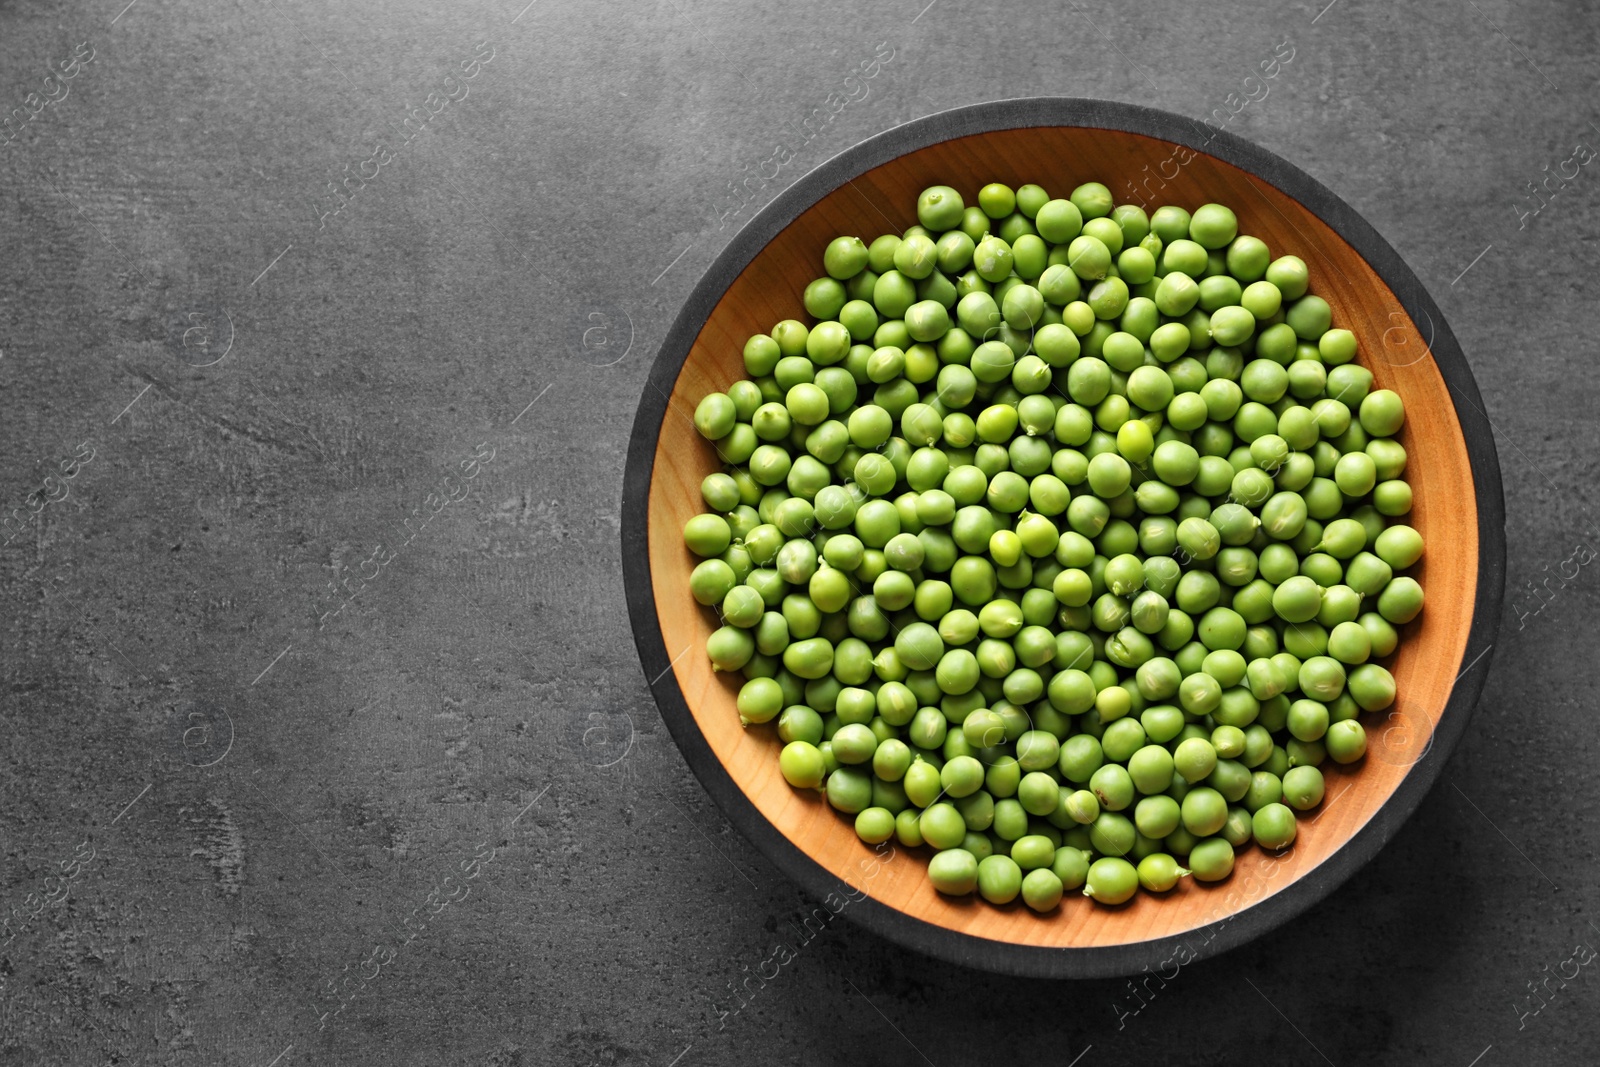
(1059, 158)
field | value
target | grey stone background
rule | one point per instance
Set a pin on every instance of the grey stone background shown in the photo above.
(431, 814)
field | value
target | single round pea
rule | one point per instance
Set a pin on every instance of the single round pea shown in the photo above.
(1382, 413)
(849, 790)
(1169, 223)
(1157, 816)
(1303, 788)
(961, 777)
(1265, 787)
(993, 259)
(1392, 498)
(1371, 686)
(1060, 221)
(1111, 880)
(1237, 830)
(875, 825)
(997, 200)
(1367, 574)
(1322, 678)
(1038, 793)
(1401, 600)
(1033, 851)
(801, 765)
(1247, 258)
(1349, 643)
(1211, 860)
(854, 744)
(1176, 294)
(1297, 599)
(707, 535)
(1273, 826)
(1399, 546)
(800, 723)
(1346, 741)
(1071, 865)
(1081, 806)
(1232, 325)
(810, 658)
(1213, 226)
(999, 879)
(942, 825)
(715, 416)
(1089, 259)
(1204, 811)
(954, 872)
(906, 830)
(1194, 759)
(711, 581)
(939, 208)
(1112, 787)
(1042, 889)
(845, 257)
(1290, 275)
(1159, 872)
(1355, 474)
(1092, 199)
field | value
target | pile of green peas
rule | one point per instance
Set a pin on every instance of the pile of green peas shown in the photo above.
(1066, 540)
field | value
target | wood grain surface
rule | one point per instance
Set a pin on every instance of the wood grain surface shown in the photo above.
(1391, 345)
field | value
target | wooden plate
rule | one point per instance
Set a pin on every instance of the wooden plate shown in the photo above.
(1156, 158)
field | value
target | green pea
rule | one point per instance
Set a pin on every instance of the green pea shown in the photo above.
(1204, 811)
(1346, 741)
(1371, 686)
(1211, 860)
(1194, 759)
(954, 872)
(1111, 880)
(1042, 889)
(1303, 788)
(730, 648)
(1273, 826)
(849, 789)
(801, 765)
(939, 208)
(1290, 275)
(1401, 600)
(999, 879)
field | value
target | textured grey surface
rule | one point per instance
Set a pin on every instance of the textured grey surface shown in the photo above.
(446, 823)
